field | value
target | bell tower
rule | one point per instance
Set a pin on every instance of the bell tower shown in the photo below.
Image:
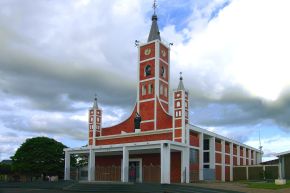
(95, 122)
(180, 113)
(153, 76)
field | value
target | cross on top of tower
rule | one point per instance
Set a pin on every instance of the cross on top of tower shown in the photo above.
(95, 101)
(154, 6)
(154, 31)
(180, 78)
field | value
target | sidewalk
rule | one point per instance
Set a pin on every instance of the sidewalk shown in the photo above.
(235, 186)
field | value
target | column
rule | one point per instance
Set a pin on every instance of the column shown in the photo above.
(212, 153)
(231, 161)
(125, 165)
(185, 165)
(282, 166)
(67, 166)
(223, 160)
(250, 156)
(238, 155)
(255, 157)
(165, 163)
(200, 137)
(259, 157)
(91, 166)
(245, 155)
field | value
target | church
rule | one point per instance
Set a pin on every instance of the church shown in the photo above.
(152, 144)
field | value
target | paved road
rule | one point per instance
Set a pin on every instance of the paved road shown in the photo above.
(72, 187)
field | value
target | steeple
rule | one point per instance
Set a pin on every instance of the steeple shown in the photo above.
(180, 85)
(154, 31)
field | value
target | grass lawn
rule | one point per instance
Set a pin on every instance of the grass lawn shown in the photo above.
(267, 185)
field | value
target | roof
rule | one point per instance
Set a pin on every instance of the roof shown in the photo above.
(180, 85)
(270, 162)
(6, 161)
(154, 31)
(210, 133)
(283, 153)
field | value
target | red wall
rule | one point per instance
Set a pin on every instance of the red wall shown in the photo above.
(218, 172)
(227, 159)
(164, 121)
(194, 140)
(153, 137)
(147, 110)
(227, 173)
(227, 148)
(218, 146)
(143, 48)
(175, 167)
(108, 160)
(127, 126)
(218, 157)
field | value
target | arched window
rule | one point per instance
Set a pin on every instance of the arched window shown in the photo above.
(161, 89)
(163, 72)
(147, 70)
(178, 104)
(143, 89)
(165, 91)
(150, 89)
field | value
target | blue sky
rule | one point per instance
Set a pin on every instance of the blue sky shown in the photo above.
(55, 55)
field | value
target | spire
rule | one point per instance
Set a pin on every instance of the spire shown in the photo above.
(180, 85)
(154, 31)
(95, 102)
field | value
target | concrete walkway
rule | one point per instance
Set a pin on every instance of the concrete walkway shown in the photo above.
(239, 187)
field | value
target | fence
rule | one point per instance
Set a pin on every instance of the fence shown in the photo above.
(256, 172)
(109, 173)
(151, 173)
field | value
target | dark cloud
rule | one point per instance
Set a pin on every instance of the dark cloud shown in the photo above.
(236, 107)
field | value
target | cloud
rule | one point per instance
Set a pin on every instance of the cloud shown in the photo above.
(54, 56)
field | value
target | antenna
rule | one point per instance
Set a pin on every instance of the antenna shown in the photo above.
(260, 147)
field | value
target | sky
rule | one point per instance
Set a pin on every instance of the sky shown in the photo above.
(55, 55)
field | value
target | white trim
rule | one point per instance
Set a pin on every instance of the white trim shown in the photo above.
(145, 80)
(91, 166)
(163, 81)
(223, 177)
(238, 155)
(118, 147)
(231, 161)
(200, 130)
(148, 59)
(146, 121)
(282, 153)
(212, 152)
(125, 165)
(138, 78)
(244, 156)
(140, 168)
(146, 100)
(161, 100)
(165, 160)
(201, 161)
(185, 165)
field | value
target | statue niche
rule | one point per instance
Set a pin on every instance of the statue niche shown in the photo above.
(137, 121)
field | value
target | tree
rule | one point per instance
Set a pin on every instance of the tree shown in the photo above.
(39, 155)
(5, 168)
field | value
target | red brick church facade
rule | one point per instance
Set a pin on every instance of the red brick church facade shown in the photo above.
(166, 148)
